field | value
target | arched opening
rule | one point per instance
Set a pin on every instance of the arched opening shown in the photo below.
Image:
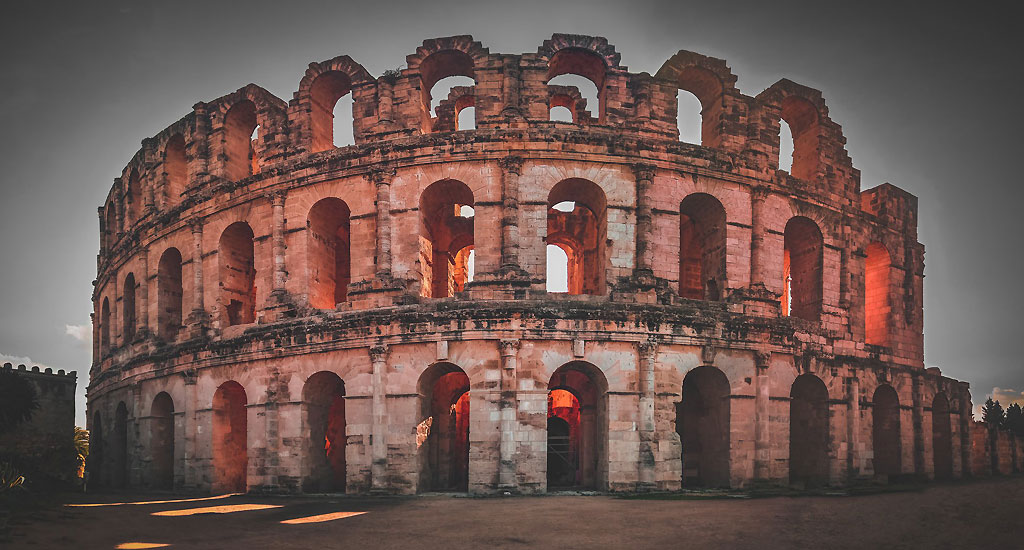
(876, 295)
(583, 70)
(885, 431)
(237, 274)
(808, 432)
(688, 117)
(230, 438)
(325, 93)
(578, 414)
(801, 116)
(942, 438)
(329, 253)
(446, 227)
(465, 113)
(96, 453)
(239, 128)
(323, 399)
(134, 197)
(161, 441)
(702, 422)
(699, 106)
(119, 463)
(802, 267)
(444, 410)
(111, 226)
(560, 113)
(785, 147)
(175, 168)
(169, 294)
(577, 223)
(129, 311)
(557, 269)
(701, 247)
(105, 326)
(446, 65)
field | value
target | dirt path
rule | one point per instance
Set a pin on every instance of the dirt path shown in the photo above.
(982, 514)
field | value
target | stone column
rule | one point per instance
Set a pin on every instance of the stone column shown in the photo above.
(647, 351)
(277, 242)
(853, 454)
(119, 206)
(644, 223)
(385, 100)
(918, 425)
(758, 196)
(144, 292)
(189, 429)
(382, 180)
(509, 410)
(762, 417)
(201, 139)
(510, 85)
(378, 431)
(511, 169)
(197, 268)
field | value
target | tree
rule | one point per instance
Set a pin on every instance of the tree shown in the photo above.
(82, 448)
(18, 400)
(1015, 419)
(992, 414)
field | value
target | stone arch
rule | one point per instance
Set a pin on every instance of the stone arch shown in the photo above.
(110, 227)
(703, 425)
(133, 198)
(105, 326)
(237, 275)
(119, 462)
(877, 267)
(444, 411)
(444, 231)
(323, 414)
(240, 122)
(161, 441)
(175, 168)
(442, 58)
(803, 110)
(885, 431)
(230, 438)
(586, 415)
(808, 431)
(169, 294)
(581, 62)
(709, 80)
(803, 249)
(942, 437)
(581, 232)
(129, 314)
(329, 252)
(320, 89)
(702, 247)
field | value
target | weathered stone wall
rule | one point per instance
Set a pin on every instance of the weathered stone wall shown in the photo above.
(626, 333)
(44, 446)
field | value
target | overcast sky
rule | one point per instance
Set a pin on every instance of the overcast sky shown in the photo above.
(927, 98)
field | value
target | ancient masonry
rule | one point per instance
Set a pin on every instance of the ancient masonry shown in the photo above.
(274, 313)
(46, 441)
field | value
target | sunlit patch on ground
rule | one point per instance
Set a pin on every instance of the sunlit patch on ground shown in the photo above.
(140, 545)
(226, 509)
(322, 517)
(149, 502)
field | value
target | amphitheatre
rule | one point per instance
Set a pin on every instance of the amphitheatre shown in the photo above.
(273, 313)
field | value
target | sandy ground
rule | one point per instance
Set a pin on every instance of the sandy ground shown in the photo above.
(980, 514)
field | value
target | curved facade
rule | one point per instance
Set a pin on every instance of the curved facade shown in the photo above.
(275, 313)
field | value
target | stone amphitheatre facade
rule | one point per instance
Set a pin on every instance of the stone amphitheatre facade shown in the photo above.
(275, 313)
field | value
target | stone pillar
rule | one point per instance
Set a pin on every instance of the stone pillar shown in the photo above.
(918, 405)
(277, 242)
(201, 149)
(511, 169)
(758, 196)
(647, 351)
(189, 429)
(509, 411)
(853, 452)
(144, 292)
(644, 223)
(762, 417)
(198, 317)
(382, 180)
(119, 206)
(385, 100)
(643, 96)
(510, 86)
(378, 431)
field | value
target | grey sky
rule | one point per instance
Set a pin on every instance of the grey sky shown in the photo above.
(926, 97)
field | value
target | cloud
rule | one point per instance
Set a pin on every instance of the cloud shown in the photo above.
(16, 360)
(82, 333)
(1004, 396)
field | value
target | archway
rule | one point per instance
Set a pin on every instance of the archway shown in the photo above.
(129, 311)
(446, 227)
(876, 295)
(577, 223)
(885, 431)
(702, 421)
(161, 441)
(802, 269)
(577, 398)
(175, 168)
(701, 247)
(325, 93)
(942, 438)
(240, 125)
(236, 258)
(169, 294)
(230, 438)
(808, 431)
(323, 399)
(120, 437)
(329, 253)
(444, 408)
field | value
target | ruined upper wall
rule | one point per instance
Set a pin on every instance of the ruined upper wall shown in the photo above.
(198, 153)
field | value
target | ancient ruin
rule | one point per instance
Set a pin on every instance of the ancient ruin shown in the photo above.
(274, 312)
